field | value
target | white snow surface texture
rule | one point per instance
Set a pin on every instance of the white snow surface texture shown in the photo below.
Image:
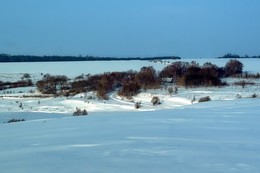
(213, 137)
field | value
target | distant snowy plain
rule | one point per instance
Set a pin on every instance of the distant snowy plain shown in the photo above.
(73, 69)
(177, 136)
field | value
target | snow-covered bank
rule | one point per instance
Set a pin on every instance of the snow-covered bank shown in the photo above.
(22, 100)
(180, 136)
(29, 100)
(213, 137)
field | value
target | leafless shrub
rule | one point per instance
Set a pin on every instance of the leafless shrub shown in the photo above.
(239, 96)
(26, 76)
(155, 101)
(80, 112)
(175, 90)
(205, 99)
(193, 99)
(243, 83)
(129, 89)
(15, 120)
(21, 105)
(170, 90)
(233, 67)
(137, 105)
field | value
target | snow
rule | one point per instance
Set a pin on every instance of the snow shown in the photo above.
(11, 99)
(177, 136)
(72, 69)
(218, 136)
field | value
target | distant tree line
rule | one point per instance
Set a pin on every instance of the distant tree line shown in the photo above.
(130, 83)
(31, 58)
(235, 56)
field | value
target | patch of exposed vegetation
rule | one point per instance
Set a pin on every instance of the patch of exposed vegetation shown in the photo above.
(80, 112)
(204, 99)
(130, 83)
(156, 101)
(243, 83)
(15, 120)
(17, 84)
(137, 105)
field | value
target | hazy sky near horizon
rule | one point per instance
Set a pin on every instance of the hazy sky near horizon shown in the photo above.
(186, 28)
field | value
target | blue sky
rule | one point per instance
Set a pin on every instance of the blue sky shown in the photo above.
(186, 28)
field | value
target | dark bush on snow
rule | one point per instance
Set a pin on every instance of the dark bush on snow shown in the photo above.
(205, 99)
(80, 112)
(15, 120)
(243, 83)
(137, 105)
(52, 84)
(175, 70)
(147, 78)
(233, 67)
(155, 101)
(197, 76)
(129, 89)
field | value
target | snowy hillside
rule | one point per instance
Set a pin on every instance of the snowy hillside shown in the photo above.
(213, 137)
(30, 100)
(179, 135)
(21, 100)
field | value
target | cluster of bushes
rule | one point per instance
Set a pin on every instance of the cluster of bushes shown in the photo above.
(80, 112)
(252, 96)
(102, 83)
(200, 76)
(17, 84)
(146, 78)
(192, 74)
(53, 84)
(233, 67)
(155, 101)
(130, 83)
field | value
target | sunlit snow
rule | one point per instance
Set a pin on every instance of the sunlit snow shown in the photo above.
(177, 136)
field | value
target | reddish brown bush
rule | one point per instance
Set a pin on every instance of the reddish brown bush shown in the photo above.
(52, 84)
(129, 89)
(233, 67)
(147, 78)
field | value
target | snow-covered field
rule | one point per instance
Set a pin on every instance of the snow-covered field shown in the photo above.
(22, 100)
(213, 137)
(177, 136)
(11, 100)
(73, 69)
